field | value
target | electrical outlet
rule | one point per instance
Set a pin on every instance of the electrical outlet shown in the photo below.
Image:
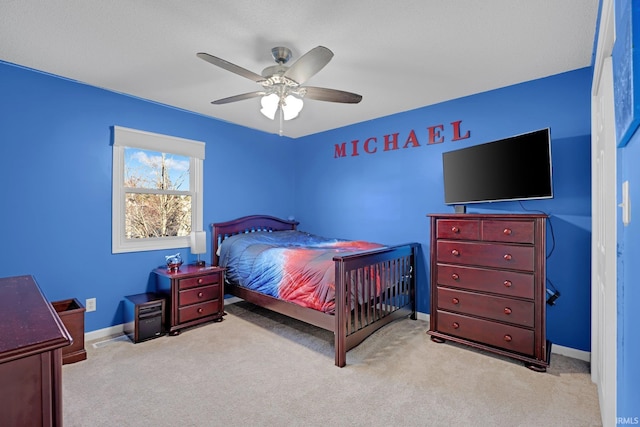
(90, 304)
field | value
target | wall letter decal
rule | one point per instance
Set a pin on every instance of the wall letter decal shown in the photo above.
(434, 132)
(456, 131)
(436, 135)
(340, 150)
(366, 145)
(393, 142)
(412, 139)
(354, 147)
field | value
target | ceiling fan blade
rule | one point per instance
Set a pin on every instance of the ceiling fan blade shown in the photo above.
(309, 64)
(230, 67)
(332, 95)
(240, 97)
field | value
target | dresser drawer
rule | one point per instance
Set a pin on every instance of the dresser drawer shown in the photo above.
(508, 231)
(201, 294)
(509, 283)
(196, 311)
(496, 334)
(486, 254)
(514, 311)
(464, 229)
(192, 282)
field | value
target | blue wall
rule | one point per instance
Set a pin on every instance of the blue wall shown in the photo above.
(628, 288)
(57, 168)
(626, 57)
(385, 196)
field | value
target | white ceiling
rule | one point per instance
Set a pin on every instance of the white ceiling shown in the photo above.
(398, 54)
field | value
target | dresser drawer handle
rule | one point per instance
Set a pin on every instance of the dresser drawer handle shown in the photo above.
(455, 229)
(455, 252)
(507, 232)
(200, 281)
(507, 283)
(507, 338)
(507, 310)
(200, 294)
(507, 257)
(200, 310)
(455, 300)
(455, 276)
(455, 325)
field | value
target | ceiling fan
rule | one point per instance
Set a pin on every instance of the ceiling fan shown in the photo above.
(282, 85)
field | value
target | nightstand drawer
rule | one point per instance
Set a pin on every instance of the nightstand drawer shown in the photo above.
(496, 334)
(458, 229)
(509, 310)
(509, 283)
(508, 231)
(201, 294)
(196, 311)
(487, 255)
(192, 282)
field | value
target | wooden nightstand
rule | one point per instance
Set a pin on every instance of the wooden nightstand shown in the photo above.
(194, 295)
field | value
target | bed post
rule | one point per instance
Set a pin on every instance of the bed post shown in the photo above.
(340, 331)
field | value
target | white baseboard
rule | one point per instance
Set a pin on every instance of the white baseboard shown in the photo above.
(555, 348)
(571, 352)
(104, 333)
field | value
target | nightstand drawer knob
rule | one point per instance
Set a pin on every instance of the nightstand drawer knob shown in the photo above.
(455, 325)
(455, 252)
(200, 310)
(455, 300)
(507, 283)
(455, 230)
(200, 294)
(507, 257)
(455, 276)
(507, 231)
(507, 310)
(200, 281)
(507, 338)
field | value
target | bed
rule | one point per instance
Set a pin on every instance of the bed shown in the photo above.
(369, 285)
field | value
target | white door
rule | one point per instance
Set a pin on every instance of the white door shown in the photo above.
(604, 210)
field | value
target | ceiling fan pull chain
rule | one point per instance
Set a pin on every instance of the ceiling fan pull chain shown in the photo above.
(281, 132)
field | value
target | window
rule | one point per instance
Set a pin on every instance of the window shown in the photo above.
(157, 190)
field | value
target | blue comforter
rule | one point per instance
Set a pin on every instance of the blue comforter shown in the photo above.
(290, 265)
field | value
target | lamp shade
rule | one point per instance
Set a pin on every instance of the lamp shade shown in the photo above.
(198, 240)
(270, 105)
(292, 107)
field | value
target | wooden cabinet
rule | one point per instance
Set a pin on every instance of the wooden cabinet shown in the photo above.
(194, 295)
(488, 284)
(31, 340)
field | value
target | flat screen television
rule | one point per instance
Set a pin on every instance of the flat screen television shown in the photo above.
(515, 168)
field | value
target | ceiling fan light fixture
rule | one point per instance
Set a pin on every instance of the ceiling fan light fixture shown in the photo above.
(270, 105)
(291, 107)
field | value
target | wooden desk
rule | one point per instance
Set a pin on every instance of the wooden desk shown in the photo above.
(31, 340)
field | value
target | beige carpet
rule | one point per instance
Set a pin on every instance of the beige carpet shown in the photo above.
(257, 368)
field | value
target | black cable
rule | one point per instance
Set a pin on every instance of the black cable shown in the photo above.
(553, 237)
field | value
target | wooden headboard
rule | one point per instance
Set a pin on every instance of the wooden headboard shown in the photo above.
(246, 224)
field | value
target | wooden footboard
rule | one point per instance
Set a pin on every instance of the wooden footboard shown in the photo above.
(372, 288)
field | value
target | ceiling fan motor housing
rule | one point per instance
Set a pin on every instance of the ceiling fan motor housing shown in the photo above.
(281, 54)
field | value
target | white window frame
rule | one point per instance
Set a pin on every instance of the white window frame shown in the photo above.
(132, 138)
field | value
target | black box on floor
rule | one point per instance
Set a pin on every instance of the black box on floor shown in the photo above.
(144, 316)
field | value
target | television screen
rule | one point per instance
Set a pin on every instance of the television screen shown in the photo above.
(515, 168)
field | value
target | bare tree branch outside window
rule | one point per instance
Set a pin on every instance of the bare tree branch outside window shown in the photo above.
(158, 201)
